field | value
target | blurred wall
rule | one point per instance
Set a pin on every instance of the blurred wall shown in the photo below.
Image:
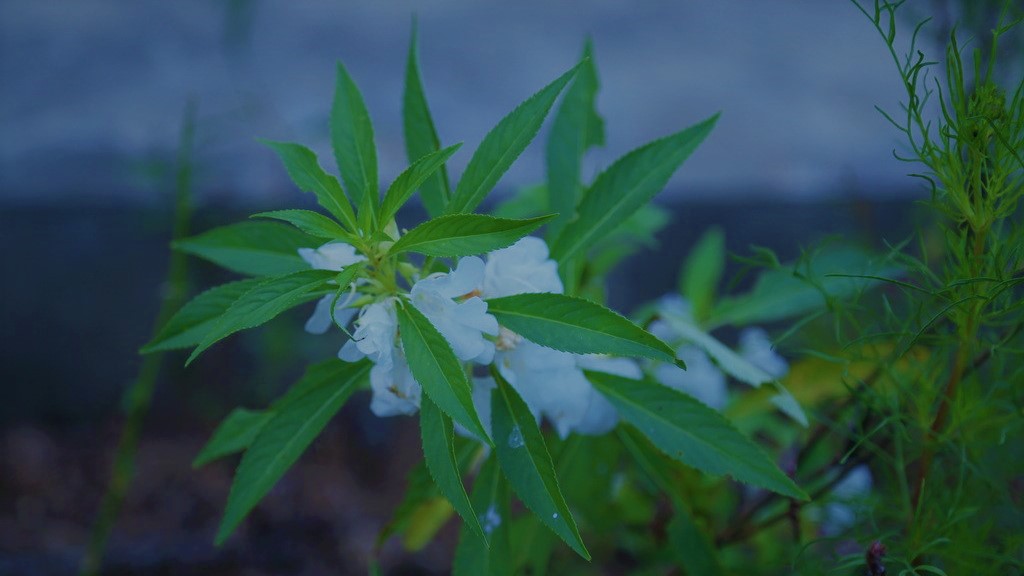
(91, 92)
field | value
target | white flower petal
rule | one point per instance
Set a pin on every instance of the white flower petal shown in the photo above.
(331, 256)
(701, 379)
(523, 267)
(462, 324)
(756, 348)
(395, 391)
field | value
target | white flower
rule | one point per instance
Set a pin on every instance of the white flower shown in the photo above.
(847, 501)
(331, 256)
(320, 320)
(521, 268)
(463, 324)
(374, 338)
(600, 416)
(395, 391)
(552, 384)
(756, 348)
(701, 379)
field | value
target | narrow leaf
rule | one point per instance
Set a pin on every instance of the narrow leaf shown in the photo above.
(284, 438)
(190, 324)
(576, 325)
(488, 556)
(420, 135)
(411, 179)
(631, 182)
(305, 171)
(465, 234)
(264, 302)
(312, 223)
(692, 433)
(503, 144)
(234, 434)
(439, 452)
(524, 458)
(436, 368)
(703, 271)
(576, 127)
(251, 248)
(352, 141)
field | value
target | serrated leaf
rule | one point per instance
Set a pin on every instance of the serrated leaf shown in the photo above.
(285, 437)
(576, 127)
(264, 302)
(692, 433)
(490, 556)
(304, 169)
(439, 452)
(411, 179)
(190, 324)
(502, 145)
(251, 248)
(575, 325)
(420, 135)
(234, 434)
(631, 182)
(703, 271)
(353, 144)
(437, 369)
(312, 223)
(465, 234)
(524, 458)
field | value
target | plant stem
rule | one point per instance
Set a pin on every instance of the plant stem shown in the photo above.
(139, 397)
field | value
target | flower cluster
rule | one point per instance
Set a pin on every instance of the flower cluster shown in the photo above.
(551, 382)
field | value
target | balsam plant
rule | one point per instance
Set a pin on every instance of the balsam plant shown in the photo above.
(479, 329)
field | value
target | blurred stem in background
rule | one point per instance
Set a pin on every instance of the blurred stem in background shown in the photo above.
(139, 396)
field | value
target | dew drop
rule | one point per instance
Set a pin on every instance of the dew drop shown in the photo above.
(515, 438)
(555, 516)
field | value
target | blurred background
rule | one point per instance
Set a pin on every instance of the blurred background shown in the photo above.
(92, 100)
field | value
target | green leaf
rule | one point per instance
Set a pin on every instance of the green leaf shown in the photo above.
(631, 182)
(802, 287)
(234, 434)
(502, 145)
(576, 127)
(439, 452)
(305, 171)
(285, 437)
(691, 546)
(526, 202)
(735, 365)
(190, 324)
(312, 223)
(490, 555)
(420, 135)
(411, 179)
(353, 144)
(436, 368)
(465, 234)
(692, 433)
(264, 302)
(703, 271)
(524, 458)
(576, 325)
(251, 248)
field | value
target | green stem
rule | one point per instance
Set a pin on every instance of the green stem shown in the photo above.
(139, 397)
